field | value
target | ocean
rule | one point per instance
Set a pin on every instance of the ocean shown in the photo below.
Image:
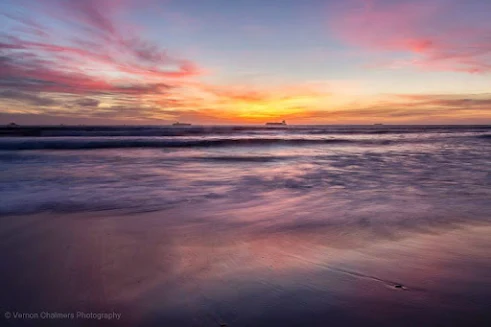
(249, 225)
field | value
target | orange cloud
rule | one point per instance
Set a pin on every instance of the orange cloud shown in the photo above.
(259, 103)
(409, 108)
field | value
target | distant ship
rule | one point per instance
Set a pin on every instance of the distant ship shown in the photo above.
(378, 124)
(181, 124)
(283, 123)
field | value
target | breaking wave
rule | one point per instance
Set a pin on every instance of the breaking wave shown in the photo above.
(74, 144)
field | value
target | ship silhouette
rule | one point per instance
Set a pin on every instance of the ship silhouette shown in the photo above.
(283, 123)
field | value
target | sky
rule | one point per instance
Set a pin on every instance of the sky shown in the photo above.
(245, 61)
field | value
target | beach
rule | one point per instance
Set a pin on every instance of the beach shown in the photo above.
(207, 275)
(293, 226)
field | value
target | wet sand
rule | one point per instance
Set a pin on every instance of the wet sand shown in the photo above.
(169, 268)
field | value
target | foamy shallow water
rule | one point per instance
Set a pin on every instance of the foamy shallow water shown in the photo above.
(221, 167)
(249, 226)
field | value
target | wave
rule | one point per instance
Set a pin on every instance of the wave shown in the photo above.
(245, 158)
(75, 144)
(154, 131)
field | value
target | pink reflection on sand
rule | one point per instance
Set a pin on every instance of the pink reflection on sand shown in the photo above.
(164, 261)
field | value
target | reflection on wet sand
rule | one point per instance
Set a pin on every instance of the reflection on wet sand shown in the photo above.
(170, 269)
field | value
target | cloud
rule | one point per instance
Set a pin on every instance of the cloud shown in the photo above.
(87, 102)
(455, 102)
(435, 35)
(97, 52)
(27, 97)
(95, 64)
(413, 108)
(66, 119)
(392, 109)
(257, 103)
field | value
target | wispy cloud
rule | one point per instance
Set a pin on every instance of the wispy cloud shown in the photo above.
(409, 108)
(97, 53)
(27, 97)
(436, 35)
(88, 59)
(101, 56)
(87, 102)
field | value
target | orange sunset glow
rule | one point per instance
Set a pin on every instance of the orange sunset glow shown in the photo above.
(127, 62)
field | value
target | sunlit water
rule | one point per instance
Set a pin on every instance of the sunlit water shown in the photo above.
(250, 226)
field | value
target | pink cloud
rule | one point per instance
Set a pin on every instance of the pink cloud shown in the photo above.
(437, 35)
(97, 52)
